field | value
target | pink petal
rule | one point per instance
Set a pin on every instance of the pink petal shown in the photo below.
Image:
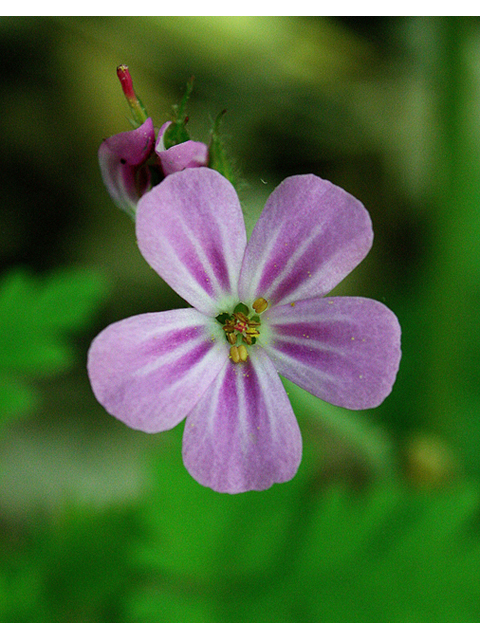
(121, 158)
(190, 229)
(343, 350)
(150, 370)
(160, 145)
(186, 155)
(310, 235)
(243, 434)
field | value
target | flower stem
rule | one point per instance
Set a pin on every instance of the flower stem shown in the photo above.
(452, 286)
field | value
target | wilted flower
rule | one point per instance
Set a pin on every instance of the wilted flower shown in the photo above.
(257, 311)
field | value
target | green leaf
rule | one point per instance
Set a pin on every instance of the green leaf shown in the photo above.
(67, 299)
(385, 555)
(196, 534)
(37, 313)
(170, 603)
(37, 317)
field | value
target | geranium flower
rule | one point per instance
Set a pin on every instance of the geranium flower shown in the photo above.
(258, 311)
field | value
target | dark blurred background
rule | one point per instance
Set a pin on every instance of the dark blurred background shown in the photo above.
(99, 523)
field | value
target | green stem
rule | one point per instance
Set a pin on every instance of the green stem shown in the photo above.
(452, 297)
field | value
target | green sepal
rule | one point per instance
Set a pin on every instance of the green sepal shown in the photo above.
(138, 112)
(217, 156)
(254, 340)
(256, 319)
(222, 318)
(177, 131)
(242, 308)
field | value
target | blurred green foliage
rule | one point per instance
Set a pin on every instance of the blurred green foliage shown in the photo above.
(36, 316)
(300, 553)
(102, 524)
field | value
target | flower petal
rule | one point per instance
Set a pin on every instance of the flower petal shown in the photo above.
(186, 155)
(150, 370)
(121, 158)
(190, 229)
(243, 434)
(310, 235)
(160, 144)
(343, 350)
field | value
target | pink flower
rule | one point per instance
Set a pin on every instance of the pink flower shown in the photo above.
(258, 311)
(122, 160)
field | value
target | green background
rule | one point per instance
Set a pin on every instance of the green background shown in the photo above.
(99, 523)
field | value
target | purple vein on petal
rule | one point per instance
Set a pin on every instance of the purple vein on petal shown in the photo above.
(204, 262)
(310, 235)
(343, 350)
(190, 229)
(243, 434)
(150, 370)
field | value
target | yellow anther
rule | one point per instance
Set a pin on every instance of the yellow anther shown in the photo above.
(260, 305)
(232, 338)
(239, 354)
(243, 353)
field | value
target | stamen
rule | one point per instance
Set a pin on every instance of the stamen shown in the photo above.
(243, 353)
(234, 354)
(241, 325)
(229, 326)
(241, 317)
(260, 305)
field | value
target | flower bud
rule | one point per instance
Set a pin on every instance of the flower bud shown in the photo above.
(122, 159)
(127, 160)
